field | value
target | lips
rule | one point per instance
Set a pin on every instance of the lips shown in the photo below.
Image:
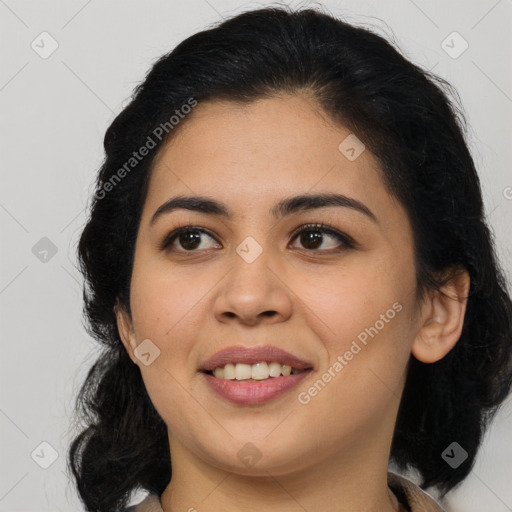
(244, 390)
(253, 355)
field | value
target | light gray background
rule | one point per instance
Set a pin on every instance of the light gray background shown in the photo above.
(54, 115)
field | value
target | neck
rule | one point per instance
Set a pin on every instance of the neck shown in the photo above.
(353, 480)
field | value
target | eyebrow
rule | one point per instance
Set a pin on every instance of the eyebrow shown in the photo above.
(282, 209)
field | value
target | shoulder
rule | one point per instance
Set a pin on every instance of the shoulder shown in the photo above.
(411, 495)
(151, 503)
(406, 491)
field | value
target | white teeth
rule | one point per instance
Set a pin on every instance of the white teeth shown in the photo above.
(258, 371)
(243, 371)
(286, 370)
(229, 372)
(275, 369)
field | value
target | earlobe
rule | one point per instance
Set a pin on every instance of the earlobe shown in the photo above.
(443, 319)
(125, 329)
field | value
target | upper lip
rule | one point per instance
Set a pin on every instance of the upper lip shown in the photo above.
(253, 355)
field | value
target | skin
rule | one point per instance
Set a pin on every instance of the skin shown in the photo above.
(332, 453)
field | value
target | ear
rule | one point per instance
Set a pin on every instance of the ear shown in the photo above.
(126, 332)
(442, 319)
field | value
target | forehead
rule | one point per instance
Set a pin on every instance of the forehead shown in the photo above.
(252, 155)
(287, 129)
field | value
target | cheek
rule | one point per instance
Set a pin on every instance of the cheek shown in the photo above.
(165, 307)
(364, 318)
(361, 380)
(356, 300)
(164, 300)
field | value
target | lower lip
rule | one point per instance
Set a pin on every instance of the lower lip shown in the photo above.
(253, 392)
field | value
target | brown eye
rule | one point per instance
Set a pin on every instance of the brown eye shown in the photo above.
(188, 238)
(312, 236)
(311, 239)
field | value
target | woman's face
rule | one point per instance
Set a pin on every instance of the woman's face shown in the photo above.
(347, 311)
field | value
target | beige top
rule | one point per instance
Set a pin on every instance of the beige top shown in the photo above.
(408, 493)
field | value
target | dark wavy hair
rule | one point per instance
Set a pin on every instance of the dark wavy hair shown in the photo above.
(412, 121)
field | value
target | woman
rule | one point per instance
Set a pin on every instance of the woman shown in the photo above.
(288, 263)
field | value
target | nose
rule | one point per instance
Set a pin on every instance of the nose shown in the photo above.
(253, 293)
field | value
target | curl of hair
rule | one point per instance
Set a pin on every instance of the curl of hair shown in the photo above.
(403, 114)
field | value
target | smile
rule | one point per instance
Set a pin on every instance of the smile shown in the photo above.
(259, 371)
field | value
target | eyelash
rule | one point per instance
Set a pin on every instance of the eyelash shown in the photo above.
(344, 239)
